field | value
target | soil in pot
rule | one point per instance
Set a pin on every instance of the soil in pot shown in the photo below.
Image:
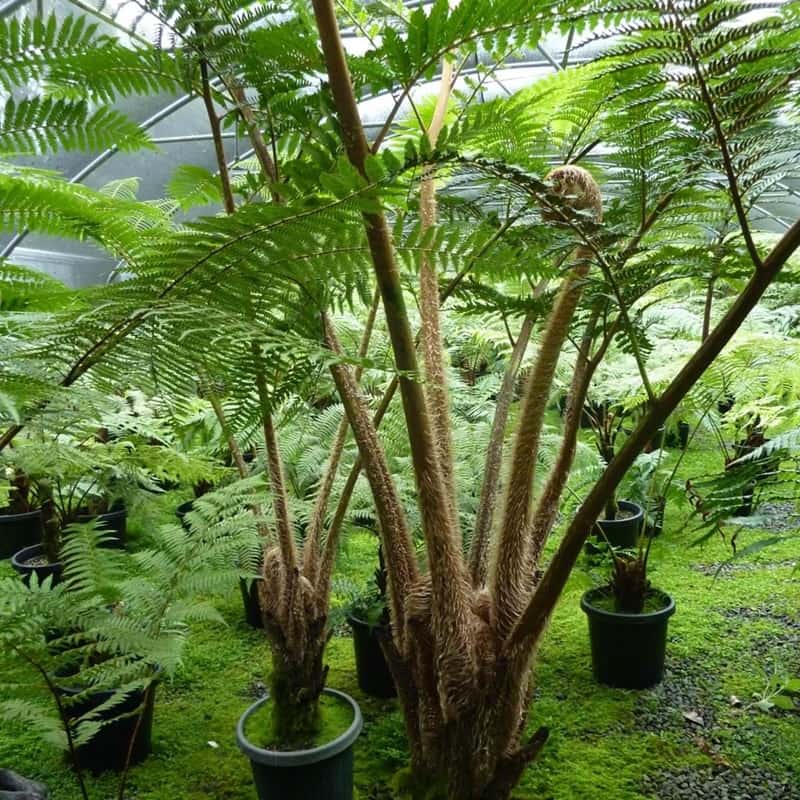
(32, 560)
(622, 532)
(18, 531)
(108, 748)
(323, 771)
(628, 650)
(372, 671)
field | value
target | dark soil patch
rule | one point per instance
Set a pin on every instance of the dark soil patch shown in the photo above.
(36, 561)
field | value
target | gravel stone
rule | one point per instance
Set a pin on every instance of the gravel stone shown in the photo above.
(746, 782)
(686, 688)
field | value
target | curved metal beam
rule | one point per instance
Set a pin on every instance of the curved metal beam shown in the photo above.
(11, 6)
(97, 162)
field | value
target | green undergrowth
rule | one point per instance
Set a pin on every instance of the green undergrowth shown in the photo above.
(602, 741)
(333, 718)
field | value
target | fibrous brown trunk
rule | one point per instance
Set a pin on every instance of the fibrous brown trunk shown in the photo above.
(511, 566)
(432, 345)
(312, 554)
(484, 518)
(449, 585)
(547, 504)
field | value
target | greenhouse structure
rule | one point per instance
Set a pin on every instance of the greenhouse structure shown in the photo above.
(400, 400)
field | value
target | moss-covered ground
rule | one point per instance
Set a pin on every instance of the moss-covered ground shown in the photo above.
(729, 632)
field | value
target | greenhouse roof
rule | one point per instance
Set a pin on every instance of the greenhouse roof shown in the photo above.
(178, 126)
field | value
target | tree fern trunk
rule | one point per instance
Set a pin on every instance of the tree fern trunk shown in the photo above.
(433, 352)
(450, 616)
(396, 538)
(511, 566)
(479, 548)
(311, 546)
(548, 502)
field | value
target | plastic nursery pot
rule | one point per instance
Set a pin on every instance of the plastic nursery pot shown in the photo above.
(115, 523)
(18, 531)
(726, 403)
(321, 773)
(182, 510)
(683, 434)
(108, 748)
(372, 671)
(628, 650)
(35, 552)
(658, 440)
(623, 533)
(16, 787)
(252, 608)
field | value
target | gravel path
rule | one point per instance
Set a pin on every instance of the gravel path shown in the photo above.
(686, 689)
(743, 783)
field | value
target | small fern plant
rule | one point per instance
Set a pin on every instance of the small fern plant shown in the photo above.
(117, 623)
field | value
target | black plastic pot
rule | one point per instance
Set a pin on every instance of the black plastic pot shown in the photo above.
(182, 510)
(623, 532)
(252, 608)
(628, 650)
(108, 748)
(16, 787)
(683, 434)
(19, 562)
(322, 773)
(18, 531)
(372, 671)
(657, 442)
(115, 522)
(726, 403)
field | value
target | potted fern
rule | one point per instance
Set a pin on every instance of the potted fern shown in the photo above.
(72, 484)
(368, 618)
(628, 621)
(98, 642)
(621, 522)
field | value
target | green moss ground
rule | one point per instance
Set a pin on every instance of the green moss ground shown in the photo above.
(602, 741)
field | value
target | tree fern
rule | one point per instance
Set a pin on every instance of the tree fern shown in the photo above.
(40, 125)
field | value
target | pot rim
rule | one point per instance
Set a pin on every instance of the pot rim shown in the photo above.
(73, 690)
(353, 620)
(645, 618)
(31, 550)
(115, 514)
(36, 512)
(299, 758)
(184, 508)
(627, 505)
